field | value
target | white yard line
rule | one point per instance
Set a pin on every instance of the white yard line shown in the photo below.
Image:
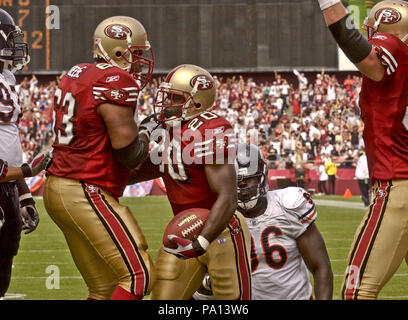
(340, 204)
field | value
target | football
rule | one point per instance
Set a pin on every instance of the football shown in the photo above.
(187, 224)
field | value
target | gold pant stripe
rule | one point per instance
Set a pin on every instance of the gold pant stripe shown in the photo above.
(354, 249)
(366, 239)
(241, 259)
(123, 240)
(140, 277)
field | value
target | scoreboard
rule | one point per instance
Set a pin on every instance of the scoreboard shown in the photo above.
(219, 35)
(32, 16)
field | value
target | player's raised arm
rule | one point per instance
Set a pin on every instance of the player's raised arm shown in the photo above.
(354, 45)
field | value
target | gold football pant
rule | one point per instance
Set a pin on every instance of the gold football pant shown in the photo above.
(105, 240)
(227, 260)
(380, 243)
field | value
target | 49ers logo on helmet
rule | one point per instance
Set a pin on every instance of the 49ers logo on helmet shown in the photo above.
(204, 81)
(117, 31)
(389, 15)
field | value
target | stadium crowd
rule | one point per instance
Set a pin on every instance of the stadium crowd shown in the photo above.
(310, 120)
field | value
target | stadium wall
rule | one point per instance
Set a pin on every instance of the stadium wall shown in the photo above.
(277, 179)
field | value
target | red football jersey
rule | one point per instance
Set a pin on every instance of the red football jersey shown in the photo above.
(82, 149)
(206, 139)
(385, 112)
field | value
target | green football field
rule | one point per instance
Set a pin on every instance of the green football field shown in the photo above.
(43, 269)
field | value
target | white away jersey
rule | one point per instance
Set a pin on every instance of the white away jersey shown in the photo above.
(278, 270)
(10, 144)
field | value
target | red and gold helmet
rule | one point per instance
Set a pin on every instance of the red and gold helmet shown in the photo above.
(187, 91)
(389, 16)
(122, 42)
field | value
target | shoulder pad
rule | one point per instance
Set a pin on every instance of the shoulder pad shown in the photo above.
(299, 203)
(213, 121)
(292, 197)
(115, 86)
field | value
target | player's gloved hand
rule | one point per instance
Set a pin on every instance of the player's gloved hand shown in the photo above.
(187, 249)
(3, 169)
(41, 162)
(148, 125)
(324, 4)
(30, 217)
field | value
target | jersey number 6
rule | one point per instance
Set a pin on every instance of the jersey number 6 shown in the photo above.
(271, 252)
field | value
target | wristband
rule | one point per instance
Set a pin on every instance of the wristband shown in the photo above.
(25, 197)
(132, 155)
(324, 4)
(25, 168)
(26, 200)
(204, 243)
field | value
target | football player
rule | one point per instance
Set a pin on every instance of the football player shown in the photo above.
(96, 145)
(286, 243)
(14, 195)
(381, 241)
(195, 157)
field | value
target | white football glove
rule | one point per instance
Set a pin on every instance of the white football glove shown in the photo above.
(41, 162)
(148, 125)
(186, 248)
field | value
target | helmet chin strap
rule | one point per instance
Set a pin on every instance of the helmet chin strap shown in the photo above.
(174, 123)
(248, 205)
(105, 55)
(253, 208)
(129, 43)
(187, 106)
(20, 65)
